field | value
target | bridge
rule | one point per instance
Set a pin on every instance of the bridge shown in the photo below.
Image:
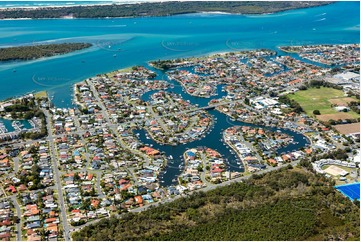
(209, 107)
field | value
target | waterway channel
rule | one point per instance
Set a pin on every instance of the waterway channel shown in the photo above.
(212, 139)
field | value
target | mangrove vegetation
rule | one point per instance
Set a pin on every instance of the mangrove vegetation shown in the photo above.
(33, 52)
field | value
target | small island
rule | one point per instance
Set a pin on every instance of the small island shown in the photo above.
(39, 51)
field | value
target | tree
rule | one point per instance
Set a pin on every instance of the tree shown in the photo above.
(316, 112)
(246, 101)
(16, 219)
(303, 87)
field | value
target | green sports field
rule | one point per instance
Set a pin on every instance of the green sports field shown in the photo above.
(41, 94)
(321, 99)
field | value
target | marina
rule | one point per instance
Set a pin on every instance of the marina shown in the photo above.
(15, 125)
(3, 129)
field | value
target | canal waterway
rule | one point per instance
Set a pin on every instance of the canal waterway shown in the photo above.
(212, 139)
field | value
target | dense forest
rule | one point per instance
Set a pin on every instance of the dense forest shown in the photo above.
(156, 9)
(287, 204)
(38, 51)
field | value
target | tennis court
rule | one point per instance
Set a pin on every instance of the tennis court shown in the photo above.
(352, 191)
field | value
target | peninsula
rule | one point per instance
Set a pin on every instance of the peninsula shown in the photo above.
(155, 9)
(39, 51)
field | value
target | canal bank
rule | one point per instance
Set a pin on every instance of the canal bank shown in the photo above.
(212, 139)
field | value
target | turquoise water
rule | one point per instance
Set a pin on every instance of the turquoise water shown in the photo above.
(135, 41)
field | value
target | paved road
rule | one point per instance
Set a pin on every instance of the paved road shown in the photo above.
(16, 164)
(98, 187)
(131, 172)
(156, 116)
(57, 176)
(113, 127)
(80, 132)
(203, 108)
(203, 173)
(18, 214)
(205, 189)
(159, 120)
(211, 187)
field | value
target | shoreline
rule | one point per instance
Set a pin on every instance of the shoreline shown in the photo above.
(50, 8)
(245, 165)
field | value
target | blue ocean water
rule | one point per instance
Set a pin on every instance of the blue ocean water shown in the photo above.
(22, 4)
(123, 42)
